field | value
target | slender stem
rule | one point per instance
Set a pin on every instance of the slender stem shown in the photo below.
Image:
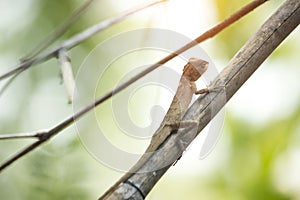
(10, 81)
(18, 136)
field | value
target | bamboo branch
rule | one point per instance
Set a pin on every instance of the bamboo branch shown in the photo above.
(231, 78)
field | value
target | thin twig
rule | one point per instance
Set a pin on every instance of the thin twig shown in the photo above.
(21, 153)
(60, 30)
(22, 135)
(77, 39)
(10, 81)
(68, 121)
(19, 136)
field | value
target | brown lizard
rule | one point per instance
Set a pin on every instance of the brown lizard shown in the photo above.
(192, 71)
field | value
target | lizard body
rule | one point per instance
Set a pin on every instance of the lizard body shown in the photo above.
(192, 71)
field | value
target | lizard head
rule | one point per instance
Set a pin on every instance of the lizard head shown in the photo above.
(195, 68)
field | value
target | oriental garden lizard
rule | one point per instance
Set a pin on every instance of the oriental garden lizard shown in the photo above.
(192, 72)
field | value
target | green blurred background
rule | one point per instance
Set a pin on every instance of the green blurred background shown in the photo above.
(257, 156)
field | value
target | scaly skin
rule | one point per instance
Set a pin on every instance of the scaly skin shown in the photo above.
(192, 72)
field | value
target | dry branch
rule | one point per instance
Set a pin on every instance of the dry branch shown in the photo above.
(232, 77)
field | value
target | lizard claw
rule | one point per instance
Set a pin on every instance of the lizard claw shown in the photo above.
(207, 90)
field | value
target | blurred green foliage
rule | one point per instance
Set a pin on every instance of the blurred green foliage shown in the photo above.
(232, 39)
(249, 170)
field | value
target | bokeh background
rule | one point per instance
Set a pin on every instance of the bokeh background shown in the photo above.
(256, 157)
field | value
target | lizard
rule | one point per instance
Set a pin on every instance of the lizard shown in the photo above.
(192, 71)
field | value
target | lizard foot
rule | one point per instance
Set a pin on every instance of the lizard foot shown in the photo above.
(184, 124)
(208, 90)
